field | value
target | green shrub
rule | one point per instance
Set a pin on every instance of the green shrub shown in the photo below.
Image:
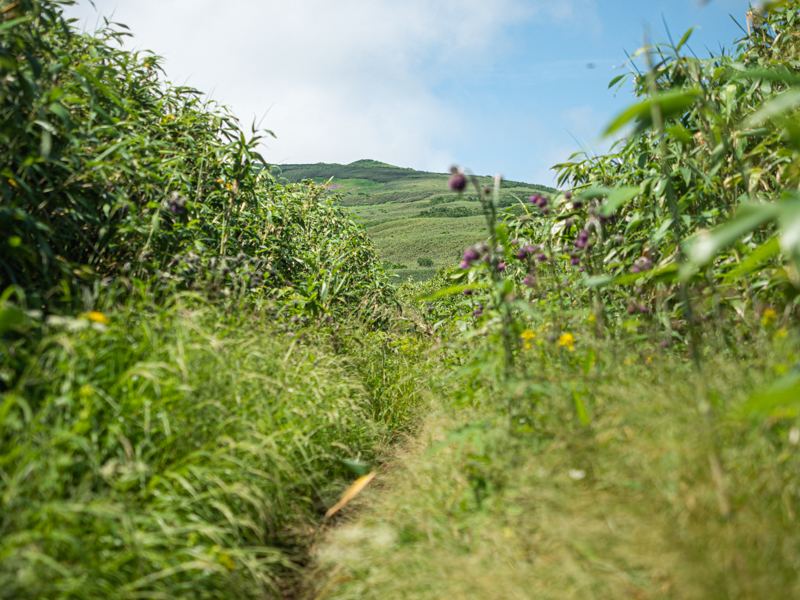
(113, 172)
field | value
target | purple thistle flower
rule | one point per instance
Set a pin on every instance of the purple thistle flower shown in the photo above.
(471, 255)
(529, 281)
(468, 292)
(542, 257)
(643, 263)
(457, 182)
(575, 260)
(465, 265)
(568, 195)
(478, 311)
(583, 239)
(526, 251)
(501, 266)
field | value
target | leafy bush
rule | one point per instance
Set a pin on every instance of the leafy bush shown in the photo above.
(113, 172)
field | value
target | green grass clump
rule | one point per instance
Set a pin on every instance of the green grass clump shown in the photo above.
(599, 488)
(176, 451)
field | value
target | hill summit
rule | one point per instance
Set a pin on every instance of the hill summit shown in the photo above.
(416, 222)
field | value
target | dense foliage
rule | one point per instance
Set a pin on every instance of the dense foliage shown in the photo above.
(172, 418)
(112, 172)
(197, 358)
(694, 214)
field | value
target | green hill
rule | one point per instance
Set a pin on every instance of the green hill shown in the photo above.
(417, 224)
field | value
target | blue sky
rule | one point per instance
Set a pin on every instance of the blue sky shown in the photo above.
(511, 86)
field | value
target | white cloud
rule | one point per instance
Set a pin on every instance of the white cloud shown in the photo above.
(336, 81)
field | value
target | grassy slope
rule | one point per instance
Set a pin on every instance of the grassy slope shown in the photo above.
(625, 506)
(390, 202)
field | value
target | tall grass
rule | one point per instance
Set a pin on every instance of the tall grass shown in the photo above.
(178, 452)
(600, 489)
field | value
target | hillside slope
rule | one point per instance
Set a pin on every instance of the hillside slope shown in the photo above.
(410, 215)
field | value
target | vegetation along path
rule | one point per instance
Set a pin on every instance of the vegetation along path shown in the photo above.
(201, 354)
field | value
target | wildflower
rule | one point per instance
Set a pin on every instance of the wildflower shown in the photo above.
(468, 292)
(591, 319)
(782, 333)
(458, 181)
(529, 281)
(96, 317)
(567, 340)
(575, 260)
(526, 251)
(542, 257)
(568, 195)
(478, 311)
(471, 255)
(538, 200)
(582, 240)
(527, 338)
(642, 264)
(501, 266)
(768, 317)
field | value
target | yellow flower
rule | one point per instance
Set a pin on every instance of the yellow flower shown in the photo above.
(782, 333)
(768, 317)
(591, 319)
(527, 338)
(96, 317)
(567, 340)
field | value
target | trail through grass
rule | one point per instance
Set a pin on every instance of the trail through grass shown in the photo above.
(617, 501)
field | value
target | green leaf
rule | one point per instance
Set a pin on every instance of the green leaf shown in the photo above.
(616, 80)
(671, 102)
(707, 244)
(685, 38)
(580, 409)
(14, 22)
(782, 75)
(617, 198)
(754, 260)
(11, 318)
(679, 133)
(781, 399)
(789, 222)
(597, 281)
(778, 106)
